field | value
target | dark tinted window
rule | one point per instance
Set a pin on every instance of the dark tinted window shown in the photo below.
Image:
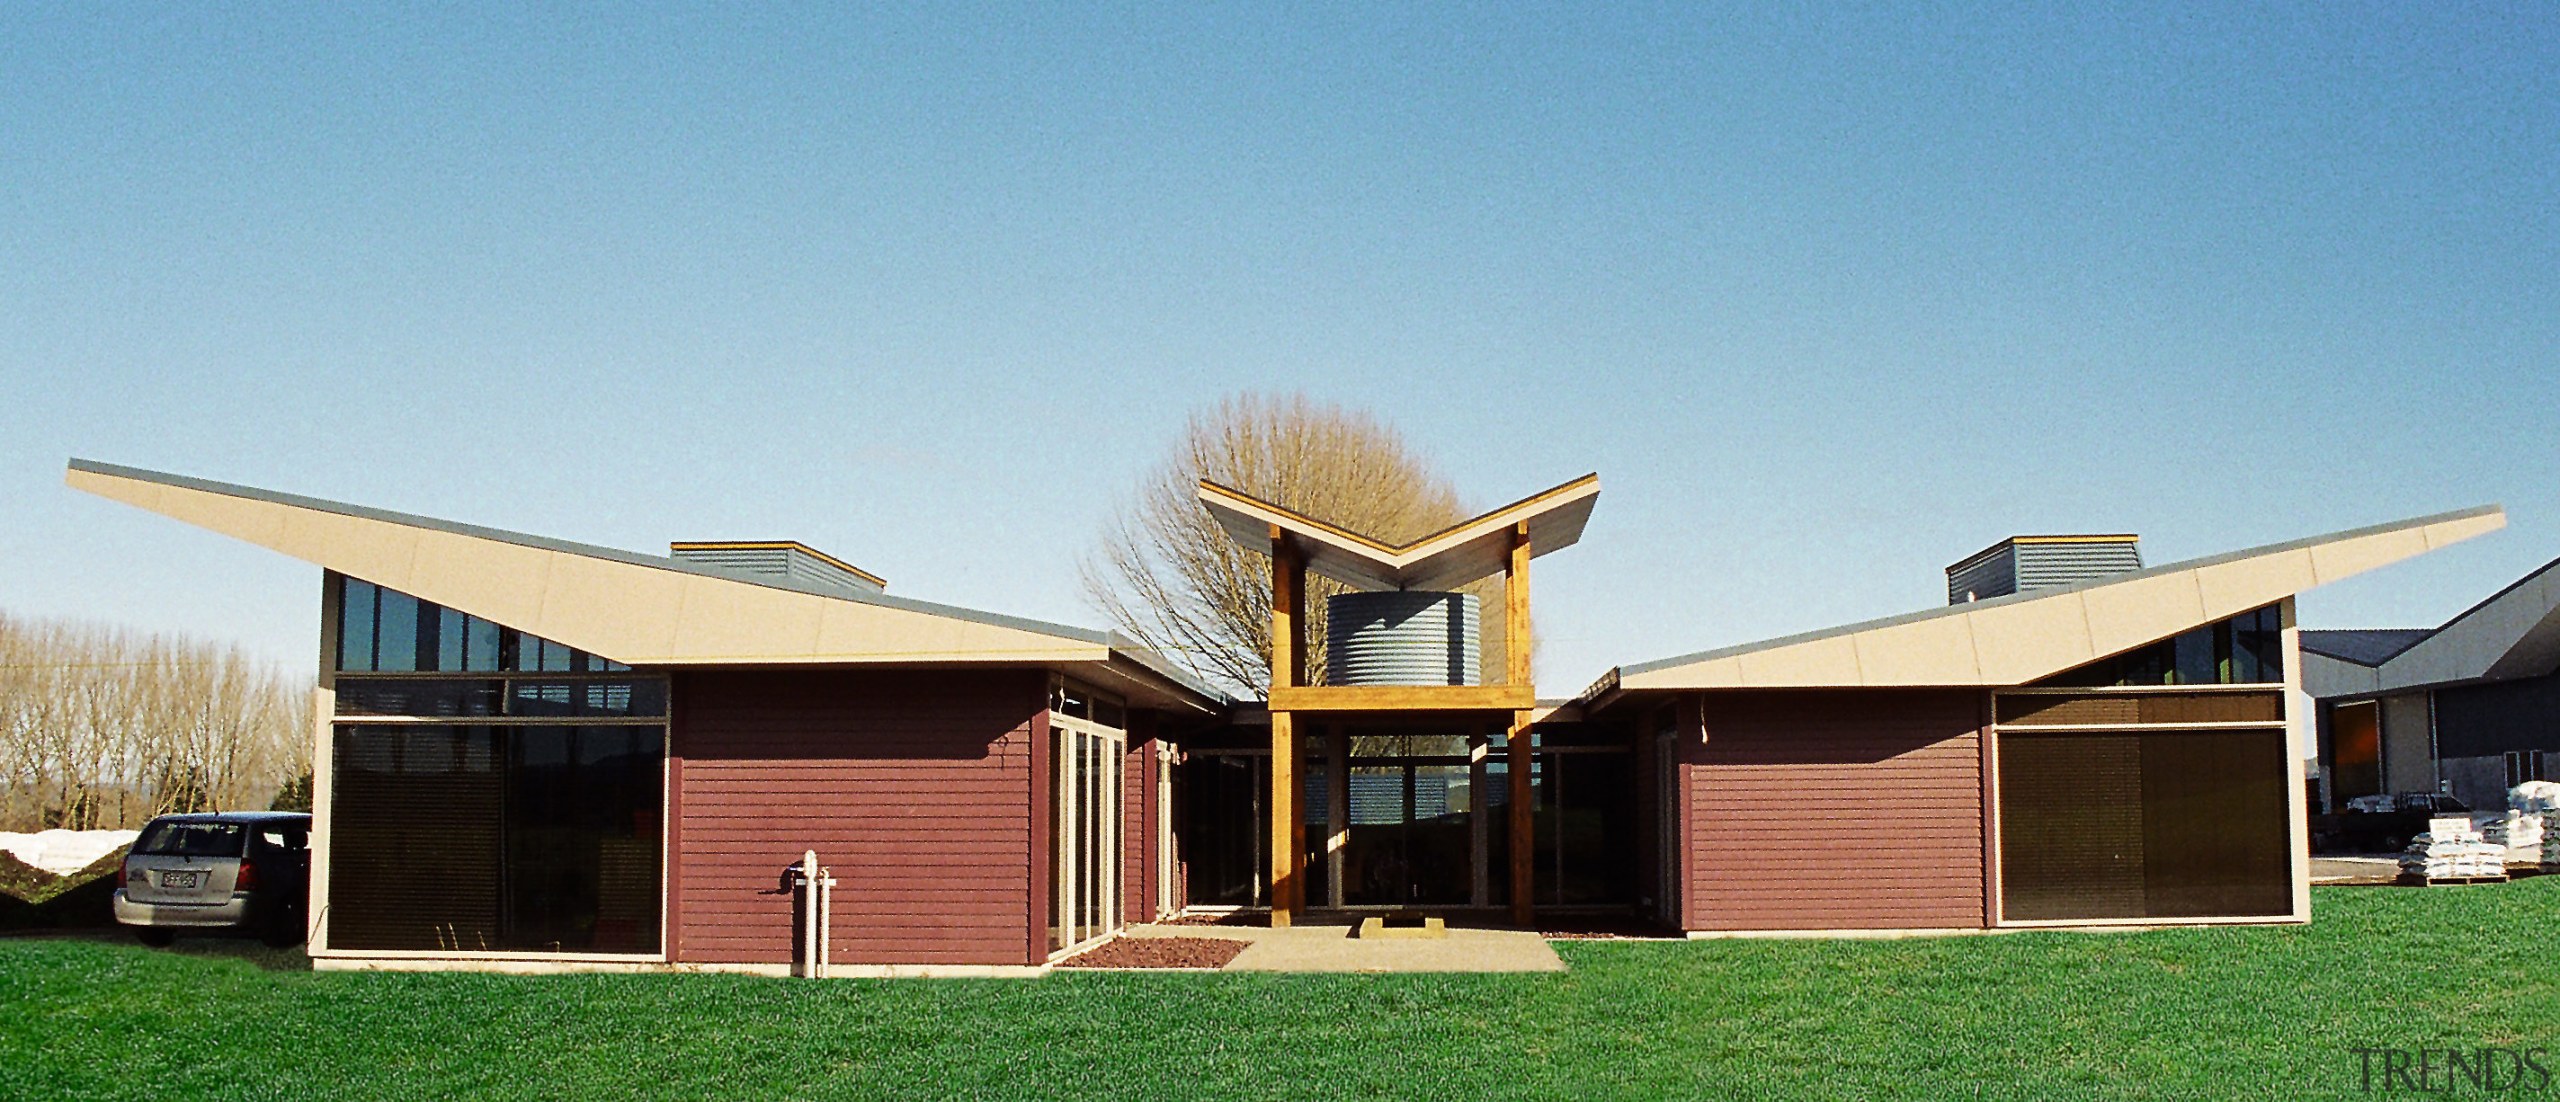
(167, 838)
(385, 631)
(497, 838)
(2145, 825)
(2247, 649)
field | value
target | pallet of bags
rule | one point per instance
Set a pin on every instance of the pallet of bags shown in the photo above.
(2452, 850)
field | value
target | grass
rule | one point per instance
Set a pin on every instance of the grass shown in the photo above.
(2214, 1013)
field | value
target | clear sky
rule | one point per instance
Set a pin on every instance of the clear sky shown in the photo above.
(1830, 297)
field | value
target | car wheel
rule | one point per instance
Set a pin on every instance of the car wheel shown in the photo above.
(154, 936)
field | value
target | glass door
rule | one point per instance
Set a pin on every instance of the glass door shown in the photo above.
(1086, 755)
(1410, 832)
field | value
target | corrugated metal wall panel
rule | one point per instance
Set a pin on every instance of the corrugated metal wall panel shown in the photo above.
(1834, 810)
(2025, 564)
(1993, 573)
(2043, 565)
(789, 562)
(914, 786)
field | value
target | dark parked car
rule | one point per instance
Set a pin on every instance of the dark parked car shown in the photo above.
(230, 872)
(2375, 824)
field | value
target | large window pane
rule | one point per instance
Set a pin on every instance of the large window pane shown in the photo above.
(582, 838)
(415, 832)
(2187, 824)
(496, 838)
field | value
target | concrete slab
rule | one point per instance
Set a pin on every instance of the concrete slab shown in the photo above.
(1333, 948)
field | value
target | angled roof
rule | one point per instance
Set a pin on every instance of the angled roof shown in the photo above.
(2020, 638)
(2514, 633)
(2363, 646)
(1476, 548)
(646, 610)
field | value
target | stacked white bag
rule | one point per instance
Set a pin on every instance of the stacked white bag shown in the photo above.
(2453, 849)
(2534, 803)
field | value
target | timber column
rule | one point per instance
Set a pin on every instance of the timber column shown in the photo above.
(1288, 670)
(1516, 653)
(1498, 542)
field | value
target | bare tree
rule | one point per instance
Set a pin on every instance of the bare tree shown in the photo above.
(101, 727)
(1168, 576)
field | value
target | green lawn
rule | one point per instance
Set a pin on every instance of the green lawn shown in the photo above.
(2270, 1013)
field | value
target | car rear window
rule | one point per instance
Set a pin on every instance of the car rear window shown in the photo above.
(181, 839)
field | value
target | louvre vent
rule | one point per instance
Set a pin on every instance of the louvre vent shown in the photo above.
(780, 558)
(2025, 564)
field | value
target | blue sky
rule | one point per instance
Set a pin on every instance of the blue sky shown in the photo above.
(1830, 297)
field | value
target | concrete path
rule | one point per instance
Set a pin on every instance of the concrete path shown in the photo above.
(1331, 948)
(2345, 870)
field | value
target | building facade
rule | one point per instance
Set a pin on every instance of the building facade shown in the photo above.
(2470, 708)
(533, 754)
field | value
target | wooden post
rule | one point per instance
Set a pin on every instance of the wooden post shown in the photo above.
(1288, 669)
(1516, 654)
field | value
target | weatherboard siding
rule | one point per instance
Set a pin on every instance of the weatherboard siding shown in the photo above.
(914, 787)
(1858, 809)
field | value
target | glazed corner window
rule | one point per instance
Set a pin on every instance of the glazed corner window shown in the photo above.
(387, 631)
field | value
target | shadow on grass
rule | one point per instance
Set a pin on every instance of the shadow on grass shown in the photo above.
(248, 950)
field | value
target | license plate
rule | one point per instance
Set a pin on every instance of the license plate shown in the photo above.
(179, 879)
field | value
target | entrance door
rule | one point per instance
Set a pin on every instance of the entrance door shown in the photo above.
(1410, 837)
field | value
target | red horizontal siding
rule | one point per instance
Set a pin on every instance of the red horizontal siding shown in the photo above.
(913, 786)
(1855, 809)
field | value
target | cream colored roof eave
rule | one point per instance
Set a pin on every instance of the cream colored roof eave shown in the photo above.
(2514, 633)
(638, 609)
(1472, 549)
(2024, 637)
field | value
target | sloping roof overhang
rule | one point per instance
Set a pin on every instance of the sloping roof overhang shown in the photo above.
(645, 610)
(2514, 633)
(1476, 548)
(2020, 638)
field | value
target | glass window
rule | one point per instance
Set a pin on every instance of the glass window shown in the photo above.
(2195, 663)
(480, 644)
(450, 638)
(355, 625)
(167, 838)
(2247, 649)
(2150, 825)
(496, 838)
(396, 639)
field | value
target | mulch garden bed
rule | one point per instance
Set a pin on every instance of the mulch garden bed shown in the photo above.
(1158, 952)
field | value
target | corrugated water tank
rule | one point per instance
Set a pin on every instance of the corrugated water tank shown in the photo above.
(1401, 637)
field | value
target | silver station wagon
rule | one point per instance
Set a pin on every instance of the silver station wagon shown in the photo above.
(231, 872)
